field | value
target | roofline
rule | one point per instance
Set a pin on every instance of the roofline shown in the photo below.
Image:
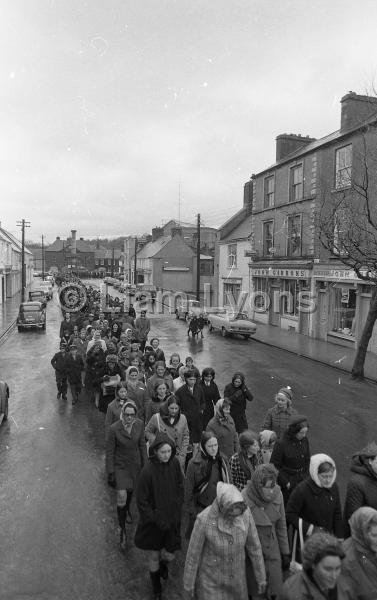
(306, 150)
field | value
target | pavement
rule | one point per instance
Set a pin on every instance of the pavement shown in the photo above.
(325, 353)
(8, 314)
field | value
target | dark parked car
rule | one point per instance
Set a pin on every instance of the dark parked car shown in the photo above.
(38, 296)
(4, 398)
(31, 315)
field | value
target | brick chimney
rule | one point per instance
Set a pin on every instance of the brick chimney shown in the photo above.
(157, 232)
(73, 242)
(356, 109)
(286, 143)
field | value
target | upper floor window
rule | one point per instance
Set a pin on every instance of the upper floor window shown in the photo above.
(343, 167)
(269, 192)
(294, 235)
(296, 187)
(268, 237)
(232, 255)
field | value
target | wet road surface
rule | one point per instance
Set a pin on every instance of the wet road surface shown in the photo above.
(58, 517)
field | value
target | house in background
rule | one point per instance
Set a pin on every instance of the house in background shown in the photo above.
(70, 254)
(107, 260)
(10, 265)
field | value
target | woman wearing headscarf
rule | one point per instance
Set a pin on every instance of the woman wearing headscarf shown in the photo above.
(238, 394)
(136, 391)
(207, 467)
(316, 500)
(244, 462)
(159, 499)
(125, 456)
(169, 420)
(320, 578)
(211, 394)
(291, 455)
(277, 417)
(264, 498)
(222, 426)
(360, 564)
(223, 535)
(180, 381)
(115, 407)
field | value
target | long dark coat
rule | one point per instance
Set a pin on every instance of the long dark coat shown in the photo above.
(318, 506)
(192, 406)
(159, 498)
(211, 396)
(126, 453)
(238, 397)
(291, 457)
(361, 490)
(95, 370)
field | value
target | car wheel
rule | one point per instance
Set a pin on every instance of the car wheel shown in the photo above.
(176, 314)
(4, 410)
(19, 328)
(210, 328)
(44, 328)
(246, 336)
(224, 332)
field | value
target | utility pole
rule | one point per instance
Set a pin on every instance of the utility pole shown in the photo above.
(198, 258)
(135, 262)
(112, 261)
(43, 259)
(23, 224)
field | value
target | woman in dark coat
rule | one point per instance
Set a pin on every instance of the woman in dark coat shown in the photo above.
(159, 500)
(316, 500)
(204, 471)
(126, 454)
(362, 486)
(359, 567)
(222, 426)
(211, 394)
(238, 394)
(291, 455)
(95, 370)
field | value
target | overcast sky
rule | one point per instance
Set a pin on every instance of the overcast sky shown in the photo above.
(106, 105)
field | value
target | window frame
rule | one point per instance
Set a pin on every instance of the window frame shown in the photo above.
(295, 313)
(269, 195)
(288, 249)
(231, 264)
(264, 223)
(341, 183)
(293, 186)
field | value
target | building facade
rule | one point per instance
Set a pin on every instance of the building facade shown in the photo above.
(71, 254)
(296, 283)
(11, 266)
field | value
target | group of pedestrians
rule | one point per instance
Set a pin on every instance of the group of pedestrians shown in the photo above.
(253, 505)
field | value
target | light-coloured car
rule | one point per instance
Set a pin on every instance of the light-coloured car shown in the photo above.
(186, 309)
(46, 286)
(230, 323)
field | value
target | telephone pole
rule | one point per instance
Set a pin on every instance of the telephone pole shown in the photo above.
(135, 262)
(198, 258)
(43, 259)
(23, 224)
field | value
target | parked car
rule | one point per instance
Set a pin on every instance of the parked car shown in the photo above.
(144, 291)
(229, 323)
(38, 296)
(130, 289)
(31, 315)
(46, 286)
(4, 400)
(186, 309)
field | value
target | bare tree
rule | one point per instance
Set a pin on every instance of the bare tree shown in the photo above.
(347, 227)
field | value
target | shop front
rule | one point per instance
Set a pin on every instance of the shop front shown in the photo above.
(278, 290)
(342, 306)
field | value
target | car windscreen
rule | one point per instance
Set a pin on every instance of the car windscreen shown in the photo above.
(30, 309)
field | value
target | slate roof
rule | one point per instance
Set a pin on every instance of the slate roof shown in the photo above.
(151, 249)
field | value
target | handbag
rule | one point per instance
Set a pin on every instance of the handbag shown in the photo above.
(295, 566)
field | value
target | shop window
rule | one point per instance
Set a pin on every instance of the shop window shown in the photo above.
(232, 256)
(289, 297)
(206, 267)
(344, 311)
(296, 186)
(260, 301)
(268, 237)
(269, 192)
(231, 293)
(343, 167)
(294, 235)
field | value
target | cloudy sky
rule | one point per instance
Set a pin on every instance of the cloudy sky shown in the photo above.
(108, 106)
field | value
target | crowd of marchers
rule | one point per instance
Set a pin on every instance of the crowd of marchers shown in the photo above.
(262, 516)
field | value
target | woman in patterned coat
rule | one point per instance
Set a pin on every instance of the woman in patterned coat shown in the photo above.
(245, 461)
(224, 533)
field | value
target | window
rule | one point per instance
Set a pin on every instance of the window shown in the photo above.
(294, 235)
(344, 309)
(268, 237)
(232, 255)
(260, 294)
(343, 167)
(231, 293)
(269, 192)
(290, 297)
(296, 184)
(206, 267)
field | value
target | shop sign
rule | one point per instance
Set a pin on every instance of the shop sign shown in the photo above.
(336, 274)
(284, 273)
